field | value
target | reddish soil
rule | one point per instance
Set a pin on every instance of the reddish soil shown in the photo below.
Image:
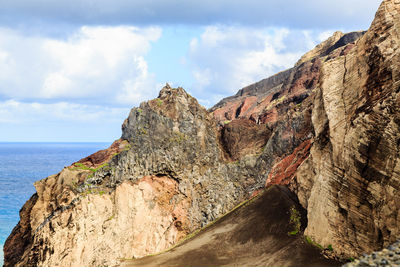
(103, 156)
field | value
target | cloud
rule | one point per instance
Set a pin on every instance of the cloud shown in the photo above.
(224, 59)
(61, 121)
(290, 13)
(92, 65)
(16, 112)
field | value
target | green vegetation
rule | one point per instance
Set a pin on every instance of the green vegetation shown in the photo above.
(227, 122)
(94, 170)
(313, 243)
(330, 248)
(281, 99)
(127, 147)
(81, 166)
(159, 102)
(111, 217)
(139, 110)
(351, 259)
(91, 190)
(295, 219)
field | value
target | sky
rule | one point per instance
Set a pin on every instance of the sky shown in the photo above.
(70, 71)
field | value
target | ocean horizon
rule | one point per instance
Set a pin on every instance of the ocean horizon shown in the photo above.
(23, 163)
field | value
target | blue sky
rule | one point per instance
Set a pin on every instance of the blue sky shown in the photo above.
(71, 70)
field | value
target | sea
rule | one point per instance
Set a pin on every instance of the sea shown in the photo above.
(21, 164)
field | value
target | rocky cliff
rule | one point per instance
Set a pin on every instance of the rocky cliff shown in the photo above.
(328, 129)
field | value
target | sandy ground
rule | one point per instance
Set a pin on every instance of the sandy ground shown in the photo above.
(253, 235)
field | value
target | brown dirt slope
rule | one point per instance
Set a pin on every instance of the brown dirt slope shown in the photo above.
(253, 235)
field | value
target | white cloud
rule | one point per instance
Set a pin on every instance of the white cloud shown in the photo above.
(60, 121)
(97, 63)
(224, 59)
(325, 35)
(16, 112)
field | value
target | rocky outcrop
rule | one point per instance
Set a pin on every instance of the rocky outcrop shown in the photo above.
(328, 129)
(350, 182)
(166, 177)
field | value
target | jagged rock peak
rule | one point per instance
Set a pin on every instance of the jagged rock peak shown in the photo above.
(174, 103)
(167, 92)
(337, 40)
(320, 48)
(386, 23)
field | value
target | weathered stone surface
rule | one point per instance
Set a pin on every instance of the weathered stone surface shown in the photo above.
(171, 179)
(351, 180)
(136, 219)
(329, 128)
(243, 137)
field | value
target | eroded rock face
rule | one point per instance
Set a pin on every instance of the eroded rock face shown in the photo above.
(166, 177)
(136, 219)
(329, 129)
(350, 183)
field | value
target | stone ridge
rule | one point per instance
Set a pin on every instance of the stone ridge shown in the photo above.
(170, 179)
(269, 100)
(329, 129)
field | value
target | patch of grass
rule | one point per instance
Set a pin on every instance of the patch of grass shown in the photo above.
(92, 190)
(127, 147)
(159, 102)
(139, 110)
(295, 220)
(227, 122)
(313, 243)
(81, 166)
(351, 259)
(104, 165)
(330, 248)
(281, 99)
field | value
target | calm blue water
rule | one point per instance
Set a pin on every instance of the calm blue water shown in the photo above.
(21, 164)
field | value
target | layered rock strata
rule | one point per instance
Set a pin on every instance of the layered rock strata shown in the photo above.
(350, 182)
(329, 129)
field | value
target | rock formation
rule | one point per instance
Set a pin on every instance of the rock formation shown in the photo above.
(255, 234)
(328, 129)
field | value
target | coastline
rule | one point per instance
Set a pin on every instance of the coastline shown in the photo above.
(23, 163)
